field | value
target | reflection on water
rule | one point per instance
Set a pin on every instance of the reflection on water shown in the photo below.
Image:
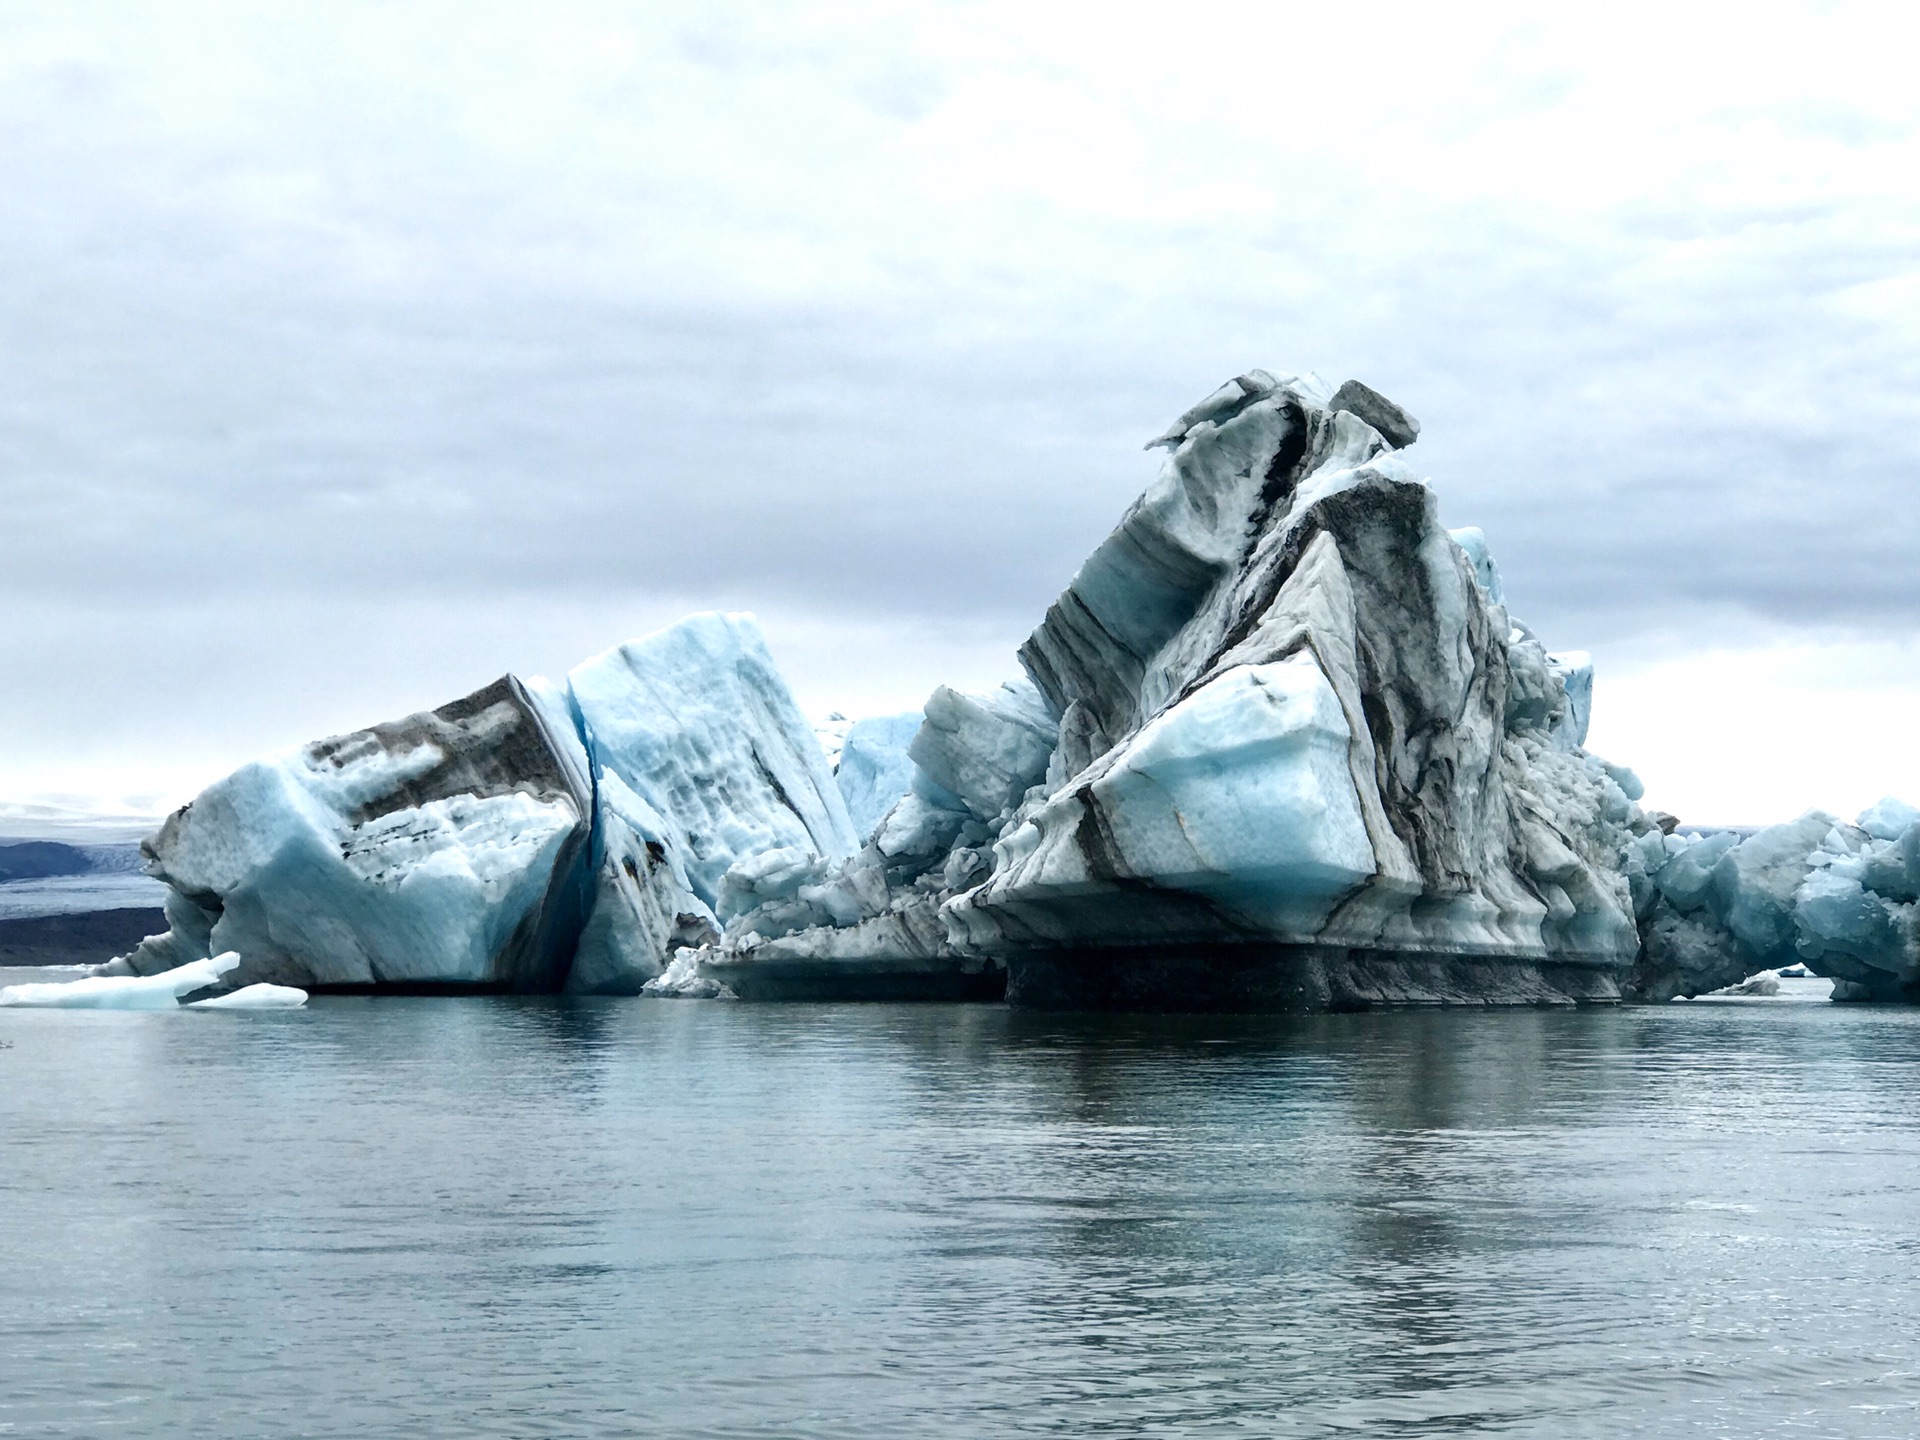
(460, 1217)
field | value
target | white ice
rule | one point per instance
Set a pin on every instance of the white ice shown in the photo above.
(140, 992)
(987, 749)
(427, 892)
(1888, 819)
(1473, 540)
(1246, 783)
(1574, 670)
(1242, 791)
(255, 997)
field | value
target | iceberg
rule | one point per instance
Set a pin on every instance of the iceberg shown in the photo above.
(697, 722)
(1424, 826)
(1279, 745)
(452, 847)
(987, 750)
(530, 837)
(1839, 899)
(702, 762)
(124, 992)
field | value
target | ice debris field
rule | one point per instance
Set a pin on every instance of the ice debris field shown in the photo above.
(1278, 744)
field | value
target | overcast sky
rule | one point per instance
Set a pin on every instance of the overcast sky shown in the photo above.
(352, 354)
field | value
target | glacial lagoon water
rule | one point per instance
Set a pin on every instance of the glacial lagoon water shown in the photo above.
(460, 1217)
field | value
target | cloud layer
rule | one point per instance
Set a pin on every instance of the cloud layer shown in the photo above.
(350, 354)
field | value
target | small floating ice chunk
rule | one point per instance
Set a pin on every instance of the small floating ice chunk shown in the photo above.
(255, 997)
(124, 992)
(1767, 982)
(683, 979)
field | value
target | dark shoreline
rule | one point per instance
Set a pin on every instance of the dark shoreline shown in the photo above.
(85, 939)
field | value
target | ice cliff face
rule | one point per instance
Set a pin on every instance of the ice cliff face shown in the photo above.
(529, 837)
(1280, 743)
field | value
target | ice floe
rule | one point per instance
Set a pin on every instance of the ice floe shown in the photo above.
(128, 992)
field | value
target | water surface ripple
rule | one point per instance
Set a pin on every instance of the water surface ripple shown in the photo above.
(424, 1218)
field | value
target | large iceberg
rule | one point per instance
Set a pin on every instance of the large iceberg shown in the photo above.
(452, 847)
(529, 837)
(1279, 744)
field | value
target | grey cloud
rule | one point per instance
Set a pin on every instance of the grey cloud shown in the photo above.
(332, 347)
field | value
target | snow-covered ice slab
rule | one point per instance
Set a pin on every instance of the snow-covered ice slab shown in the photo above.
(125, 992)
